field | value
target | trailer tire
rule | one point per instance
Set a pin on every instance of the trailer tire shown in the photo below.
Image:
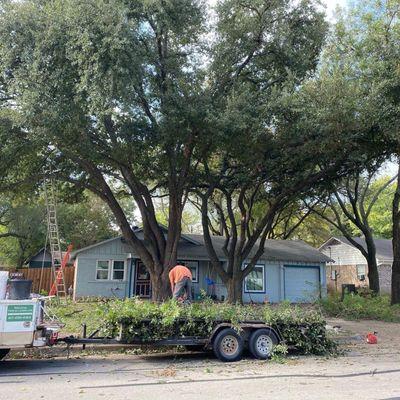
(261, 343)
(228, 345)
(3, 353)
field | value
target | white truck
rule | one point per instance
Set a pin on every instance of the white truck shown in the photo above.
(22, 325)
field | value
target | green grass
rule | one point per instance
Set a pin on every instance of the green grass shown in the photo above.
(74, 314)
(355, 307)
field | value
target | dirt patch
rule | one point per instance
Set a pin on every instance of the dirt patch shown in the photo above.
(388, 334)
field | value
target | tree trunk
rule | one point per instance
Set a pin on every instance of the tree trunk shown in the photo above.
(396, 244)
(373, 274)
(234, 288)
(156, 253)
(160, 287)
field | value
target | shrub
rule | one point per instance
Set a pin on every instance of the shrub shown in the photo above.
(150, 321)
(360, 307)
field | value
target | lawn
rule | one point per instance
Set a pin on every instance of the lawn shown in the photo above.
(356, 307)
(75, 314)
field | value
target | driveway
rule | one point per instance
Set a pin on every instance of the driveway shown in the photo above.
(365, 372)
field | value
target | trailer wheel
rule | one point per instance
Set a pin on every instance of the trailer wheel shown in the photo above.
(3, 353)
(228, 345)
(261, 343)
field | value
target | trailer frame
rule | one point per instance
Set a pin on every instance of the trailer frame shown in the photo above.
(240, 336)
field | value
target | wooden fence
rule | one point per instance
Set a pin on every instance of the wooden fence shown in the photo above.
(34, 275)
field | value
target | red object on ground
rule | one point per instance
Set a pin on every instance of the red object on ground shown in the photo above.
(59, 277)
(372, 338)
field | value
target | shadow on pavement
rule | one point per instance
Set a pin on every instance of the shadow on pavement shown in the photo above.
(60, 367)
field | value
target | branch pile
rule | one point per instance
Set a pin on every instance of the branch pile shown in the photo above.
(146, 321)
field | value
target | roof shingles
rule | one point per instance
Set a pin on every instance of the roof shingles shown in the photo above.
(192, 246)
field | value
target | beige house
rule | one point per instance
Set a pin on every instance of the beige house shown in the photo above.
(349, 266)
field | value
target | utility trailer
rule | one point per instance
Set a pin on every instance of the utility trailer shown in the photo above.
(226, 341)
(22, 325)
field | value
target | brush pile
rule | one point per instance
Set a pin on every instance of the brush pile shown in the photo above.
(147, 321)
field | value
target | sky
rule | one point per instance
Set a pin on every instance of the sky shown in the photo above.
(329, 4)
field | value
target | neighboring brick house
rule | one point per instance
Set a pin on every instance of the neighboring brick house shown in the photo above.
(350, 266)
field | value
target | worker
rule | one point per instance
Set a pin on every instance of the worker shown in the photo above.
(181, 282)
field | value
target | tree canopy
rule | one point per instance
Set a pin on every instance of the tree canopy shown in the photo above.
(137, 99)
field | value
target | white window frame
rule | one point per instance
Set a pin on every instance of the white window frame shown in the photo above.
(334, 275)
(263, 280)
(195, 278)
(360, 275)
(111, 276)
(97, 269)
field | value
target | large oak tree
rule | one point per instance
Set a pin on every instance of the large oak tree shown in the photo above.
(112, 90)
(130, 91)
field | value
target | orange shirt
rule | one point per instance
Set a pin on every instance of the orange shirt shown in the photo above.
(178, 273)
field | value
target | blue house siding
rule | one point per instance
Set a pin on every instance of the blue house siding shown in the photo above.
(86, 283)
(274, 290)
(271, 291)
(197, 286)
(274, 276)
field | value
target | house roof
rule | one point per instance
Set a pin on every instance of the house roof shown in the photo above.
(384, 249)
(39, 252)
(192, 246)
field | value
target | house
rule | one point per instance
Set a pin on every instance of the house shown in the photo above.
(41, 258)
(288, 270)
(350, 266)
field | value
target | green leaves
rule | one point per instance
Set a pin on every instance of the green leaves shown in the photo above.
(355, 307)
(145, 321)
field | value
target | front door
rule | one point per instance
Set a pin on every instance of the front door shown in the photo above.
(143, 285)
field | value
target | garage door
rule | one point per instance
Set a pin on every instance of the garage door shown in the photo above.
(301, 283)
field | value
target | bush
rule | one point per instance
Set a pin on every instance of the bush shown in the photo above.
(360, 307)
(146, 321)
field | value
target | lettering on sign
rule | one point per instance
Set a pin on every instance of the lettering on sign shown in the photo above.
(19, 312)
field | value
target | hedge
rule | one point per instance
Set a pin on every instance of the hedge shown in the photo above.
(303, 329)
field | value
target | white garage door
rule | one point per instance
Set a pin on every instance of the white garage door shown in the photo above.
(301, 284)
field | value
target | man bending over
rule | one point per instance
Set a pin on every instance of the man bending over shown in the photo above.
(181, 282)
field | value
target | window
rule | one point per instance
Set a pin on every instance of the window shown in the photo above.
(361, 272)
(102, 270)
(194, 269)
(334, 275)
(255, 280)
(118, 271)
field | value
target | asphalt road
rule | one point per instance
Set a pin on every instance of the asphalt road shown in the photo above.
(367, 372)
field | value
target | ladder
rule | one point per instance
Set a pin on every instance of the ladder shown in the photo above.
(59, 281)
(54, 239)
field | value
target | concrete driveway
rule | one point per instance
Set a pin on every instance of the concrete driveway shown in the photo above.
(366, 372)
